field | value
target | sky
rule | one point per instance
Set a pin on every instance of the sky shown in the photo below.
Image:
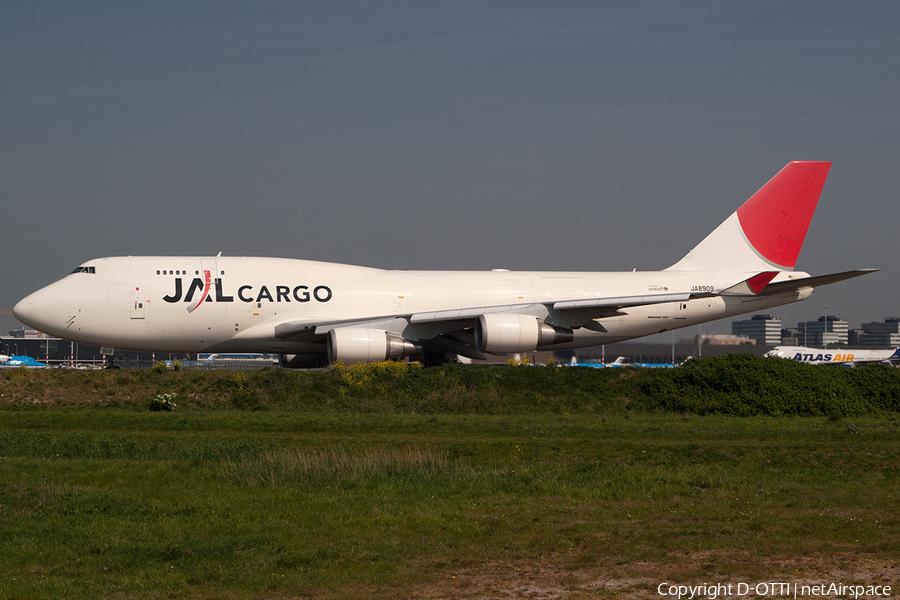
(586, 136)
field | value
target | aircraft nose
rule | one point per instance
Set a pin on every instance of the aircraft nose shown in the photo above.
(20, 310)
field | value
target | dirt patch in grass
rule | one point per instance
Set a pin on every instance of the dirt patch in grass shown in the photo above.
(544, 580)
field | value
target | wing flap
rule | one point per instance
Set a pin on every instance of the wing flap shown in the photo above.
(620, 302)
(466, 313)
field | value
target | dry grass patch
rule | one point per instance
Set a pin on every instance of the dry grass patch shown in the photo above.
(284, 466)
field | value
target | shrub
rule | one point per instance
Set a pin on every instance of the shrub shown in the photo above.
(163, 402)
(521, 360)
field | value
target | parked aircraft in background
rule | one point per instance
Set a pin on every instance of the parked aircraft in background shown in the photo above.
(315, 312)
(848, 358)
(10, 362)
(624, 362)
(619, 362)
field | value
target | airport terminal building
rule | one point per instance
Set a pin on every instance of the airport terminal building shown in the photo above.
(52, 350)
(827, 330)
(764, 329)
(877, 335)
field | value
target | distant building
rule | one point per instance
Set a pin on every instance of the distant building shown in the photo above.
(762, 329)
(56, 351)
(825, 331)
(719, 339)
(27, 334)
(877, 335)
(35, 345)
(792, 336)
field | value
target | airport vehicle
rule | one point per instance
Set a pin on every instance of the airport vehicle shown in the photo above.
(15, 362)
(847, 358)
(315, 312)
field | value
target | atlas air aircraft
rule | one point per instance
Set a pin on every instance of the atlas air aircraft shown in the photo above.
(313, 313)
(847, 358)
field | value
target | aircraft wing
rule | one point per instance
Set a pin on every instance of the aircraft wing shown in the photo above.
(456, 330)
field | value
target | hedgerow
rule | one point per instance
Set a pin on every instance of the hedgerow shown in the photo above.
(737, 384)
(745, 385)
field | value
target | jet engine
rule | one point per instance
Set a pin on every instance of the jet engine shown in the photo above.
(499, 333)
(356, 345)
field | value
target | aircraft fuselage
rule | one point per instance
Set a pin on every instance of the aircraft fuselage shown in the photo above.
(205, 304)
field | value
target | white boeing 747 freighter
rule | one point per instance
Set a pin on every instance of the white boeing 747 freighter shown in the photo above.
(839, 356)
(313, 313)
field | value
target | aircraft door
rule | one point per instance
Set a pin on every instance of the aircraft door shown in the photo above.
(136, 305)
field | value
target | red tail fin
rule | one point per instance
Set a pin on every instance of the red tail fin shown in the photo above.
(775, 218)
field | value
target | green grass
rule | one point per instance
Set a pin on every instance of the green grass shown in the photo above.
(276, 506)
(327, 488)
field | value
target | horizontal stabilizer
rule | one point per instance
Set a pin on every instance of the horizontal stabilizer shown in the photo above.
(795, 284)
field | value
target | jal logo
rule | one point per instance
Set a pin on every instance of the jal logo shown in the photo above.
(199, 290)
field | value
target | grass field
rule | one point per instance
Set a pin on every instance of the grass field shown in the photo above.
(284, 486)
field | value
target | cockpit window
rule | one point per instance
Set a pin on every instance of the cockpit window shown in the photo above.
(84, 270)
